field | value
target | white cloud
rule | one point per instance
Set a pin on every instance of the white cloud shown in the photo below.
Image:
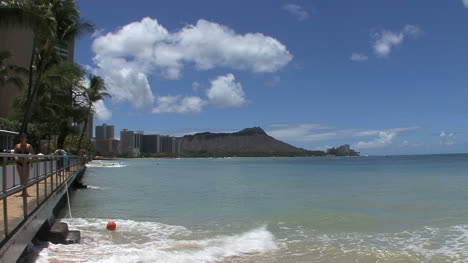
(126, 57)
(195, 85)
(301, 132)
(179, 104)
(358, 57)
(101, 112)
(465, 3)
(447, 138)
(296, 10)
(384, 138)
(385, 41)
(126, 81)
(312, 132)
(226, 92)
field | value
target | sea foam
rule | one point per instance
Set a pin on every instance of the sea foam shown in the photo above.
(154, 242)
(430, 244)
(105, 164)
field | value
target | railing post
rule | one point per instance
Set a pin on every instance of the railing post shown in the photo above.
(25, 190)
(5, 204)
(14, 176)
(45, 175)
(36, 170)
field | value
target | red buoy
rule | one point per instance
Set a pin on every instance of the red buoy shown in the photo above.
(111, 226)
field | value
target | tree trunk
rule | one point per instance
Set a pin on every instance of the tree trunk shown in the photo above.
(35, 89)
(62, 135)
(84, 129)
(24, 126)
(31, 68)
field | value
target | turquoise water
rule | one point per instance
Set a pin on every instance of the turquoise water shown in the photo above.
(350, 209)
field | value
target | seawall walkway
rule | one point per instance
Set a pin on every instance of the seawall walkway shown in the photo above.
(21, 217)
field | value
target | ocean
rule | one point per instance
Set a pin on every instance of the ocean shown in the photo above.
(320, 209)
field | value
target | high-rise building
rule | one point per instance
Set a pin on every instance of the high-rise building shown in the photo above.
(105, 138)
(104, 131)
(154, 143)
(127, 142)
(138, 143)
(151, 143)
(108, 145)
(19, 41)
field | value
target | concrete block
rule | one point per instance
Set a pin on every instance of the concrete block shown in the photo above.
(73, 237)
(57, 233)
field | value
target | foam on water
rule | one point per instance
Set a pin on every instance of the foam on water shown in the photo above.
(430, 244)
(153, 242)
(94, 187)
(105, 164)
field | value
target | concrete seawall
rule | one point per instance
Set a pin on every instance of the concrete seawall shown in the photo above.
(43, 216)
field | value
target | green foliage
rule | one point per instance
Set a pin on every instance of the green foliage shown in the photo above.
(55, 25)
(54, 100)
(11, 73)
(94, 93)
(57, 106)
(34, 132)
(70, 145)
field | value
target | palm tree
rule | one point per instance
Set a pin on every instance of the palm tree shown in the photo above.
(64, 89)
(94, 93)
(55, 23)
(10, 73)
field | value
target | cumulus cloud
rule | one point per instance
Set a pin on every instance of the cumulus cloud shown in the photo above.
(126, 81)
(447, 138)
(101, 112)
(126, 57)
(465, 3)
(226, 92)
(358, 57)
(385, 41)
(384, 138)
(179, 104)
(296, 10)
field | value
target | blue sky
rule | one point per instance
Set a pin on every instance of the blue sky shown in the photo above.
(387, 77)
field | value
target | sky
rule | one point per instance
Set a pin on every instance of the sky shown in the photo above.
(386, 77)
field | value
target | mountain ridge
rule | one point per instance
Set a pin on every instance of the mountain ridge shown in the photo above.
(253, 139)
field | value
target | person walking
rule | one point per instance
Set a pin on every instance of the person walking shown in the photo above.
(23, 164)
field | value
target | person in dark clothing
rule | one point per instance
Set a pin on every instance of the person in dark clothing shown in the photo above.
(23, 164)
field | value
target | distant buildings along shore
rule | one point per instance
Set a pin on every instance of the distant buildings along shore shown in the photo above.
(134, 143)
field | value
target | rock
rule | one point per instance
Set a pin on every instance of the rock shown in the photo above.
(73, 237)
(58, 233)
(79, 185)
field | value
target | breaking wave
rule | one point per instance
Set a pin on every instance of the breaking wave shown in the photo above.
(107, 164)
(154, 242)
(430, 244)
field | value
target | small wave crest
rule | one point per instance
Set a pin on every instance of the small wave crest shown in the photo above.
(94, 187)
(154, 242)
(429, 244)
(103, 164)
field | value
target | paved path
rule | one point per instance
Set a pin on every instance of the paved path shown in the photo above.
(37, 191)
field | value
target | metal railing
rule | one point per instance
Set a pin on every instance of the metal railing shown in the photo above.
(42, 175)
